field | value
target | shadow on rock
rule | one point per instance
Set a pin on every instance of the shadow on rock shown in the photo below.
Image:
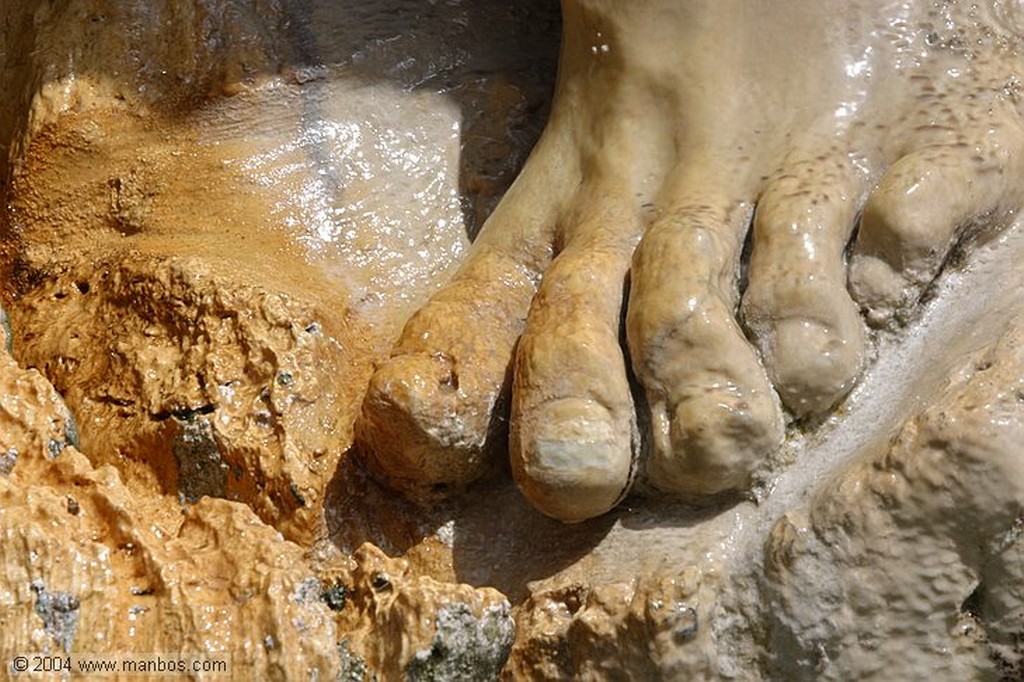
(494, 536)
(500, 540)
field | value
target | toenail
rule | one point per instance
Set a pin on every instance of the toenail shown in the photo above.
(560, 425)
(573, 463)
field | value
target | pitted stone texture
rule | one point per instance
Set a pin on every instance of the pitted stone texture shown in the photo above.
(143, 578)
(908, 559)
(91, 568)
(406, 626)
(654, 627)
(138, 304)
(153, 354)
(35, 424)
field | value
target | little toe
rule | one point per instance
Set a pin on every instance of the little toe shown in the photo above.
(922, 205)
(574, 440)
(714, 415)
(796, 305)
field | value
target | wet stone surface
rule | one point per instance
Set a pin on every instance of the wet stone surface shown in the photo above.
(240, 215)
(201, 469)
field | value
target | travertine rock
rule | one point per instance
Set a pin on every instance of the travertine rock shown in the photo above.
(909, 559)
(650, 628)
(206, 253)
(159, 275)
(34, 421)
(195, 383)
(88, 568)
(403, 626)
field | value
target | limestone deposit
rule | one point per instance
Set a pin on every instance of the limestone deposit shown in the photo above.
(226, 433)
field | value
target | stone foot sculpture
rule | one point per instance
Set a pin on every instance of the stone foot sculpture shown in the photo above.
(848, 146)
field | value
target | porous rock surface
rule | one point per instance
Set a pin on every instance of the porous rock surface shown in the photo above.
(908, 558)
(203, 500)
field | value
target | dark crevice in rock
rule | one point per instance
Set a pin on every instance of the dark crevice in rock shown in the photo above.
(184, 414)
